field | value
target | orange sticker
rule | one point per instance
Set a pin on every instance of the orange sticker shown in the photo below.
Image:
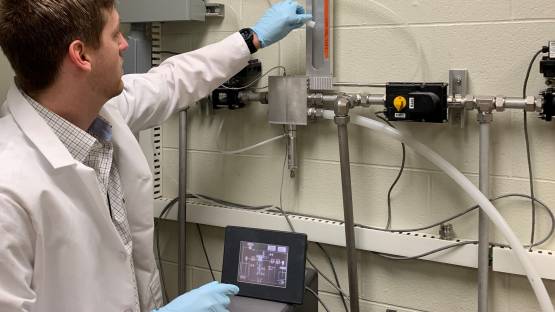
(327, 29)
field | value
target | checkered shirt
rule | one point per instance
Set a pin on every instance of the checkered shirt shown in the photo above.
(94, 149)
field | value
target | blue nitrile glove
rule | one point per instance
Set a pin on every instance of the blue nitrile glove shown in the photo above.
(279, 21)
(213, 297)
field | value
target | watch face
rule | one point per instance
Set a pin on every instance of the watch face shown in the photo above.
(247, 33)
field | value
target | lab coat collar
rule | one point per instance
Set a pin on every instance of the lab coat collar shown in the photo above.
(37, 130)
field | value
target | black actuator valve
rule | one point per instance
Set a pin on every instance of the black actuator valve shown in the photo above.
(410, 101)
(548, 107)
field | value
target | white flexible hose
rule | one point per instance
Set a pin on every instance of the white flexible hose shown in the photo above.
(533, 277)
(254, 146)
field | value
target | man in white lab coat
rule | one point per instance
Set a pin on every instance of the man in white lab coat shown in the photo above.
(76, 217)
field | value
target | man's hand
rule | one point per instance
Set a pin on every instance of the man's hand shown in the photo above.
(279, 21)
(213, 297)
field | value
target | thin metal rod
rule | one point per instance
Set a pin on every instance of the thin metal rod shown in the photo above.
(182, 212)
(292, 150)
(484, 243)
(356, 84)
(348, 210)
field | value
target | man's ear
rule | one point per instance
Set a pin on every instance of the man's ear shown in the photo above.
(79, 55)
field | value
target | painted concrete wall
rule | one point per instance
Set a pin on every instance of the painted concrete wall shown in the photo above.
(378, 41)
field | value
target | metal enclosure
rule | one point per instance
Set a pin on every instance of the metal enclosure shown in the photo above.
(287, 98)
(146, 11)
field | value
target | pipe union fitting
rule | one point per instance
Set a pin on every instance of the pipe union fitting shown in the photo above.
(530, 105)
(500, 104)
(469, 102)
(485, 103)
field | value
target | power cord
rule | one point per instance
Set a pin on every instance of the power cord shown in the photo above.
(426, 253)
(254, 81)
(162, 215)
(332, 266)
(389, 209)
(527, 140)
(317, 298)
(205, 252)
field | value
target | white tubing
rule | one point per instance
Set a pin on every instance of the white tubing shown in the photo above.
(533, 277)
(254, 146)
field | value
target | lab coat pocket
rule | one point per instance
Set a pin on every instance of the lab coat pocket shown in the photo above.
(156, 290)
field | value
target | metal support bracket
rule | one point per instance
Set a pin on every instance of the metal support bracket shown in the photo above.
(458, 85)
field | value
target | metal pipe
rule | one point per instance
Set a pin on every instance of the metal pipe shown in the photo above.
(515, 103)
(342, 120)
(251, 96)
(182, 212)
(292, 150)
(484, 243)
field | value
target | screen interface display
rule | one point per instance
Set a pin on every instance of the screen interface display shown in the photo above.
(263, 264)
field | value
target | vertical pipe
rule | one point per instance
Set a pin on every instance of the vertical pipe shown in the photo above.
(182, 212)
(483, 246)
(292, 150)
(343, 135)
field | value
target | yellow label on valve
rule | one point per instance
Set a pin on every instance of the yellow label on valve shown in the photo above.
(400, 103)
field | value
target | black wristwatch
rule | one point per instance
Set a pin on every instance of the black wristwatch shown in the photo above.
(248, 35)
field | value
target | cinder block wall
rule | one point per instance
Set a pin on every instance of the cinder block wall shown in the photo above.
(379, 41)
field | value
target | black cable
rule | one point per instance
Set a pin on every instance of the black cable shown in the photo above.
(166, 210)
(330, 261)
(426, 253)
(528, 152)
(205, 252)
(389, 209)
(318, 298)
(167, 52)
(547, 209)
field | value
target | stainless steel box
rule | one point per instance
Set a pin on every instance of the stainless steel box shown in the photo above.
(287, 98)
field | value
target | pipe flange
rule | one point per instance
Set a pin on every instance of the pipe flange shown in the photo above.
(342, 120)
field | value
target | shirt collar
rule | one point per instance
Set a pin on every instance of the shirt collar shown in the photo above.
(78, 142)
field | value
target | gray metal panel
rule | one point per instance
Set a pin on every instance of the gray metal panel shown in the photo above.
(146, 11)
(287, 97)
(138, 57)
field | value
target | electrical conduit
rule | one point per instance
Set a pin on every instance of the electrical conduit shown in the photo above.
(535, 281)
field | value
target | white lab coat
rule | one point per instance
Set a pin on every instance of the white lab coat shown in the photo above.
(59, 250)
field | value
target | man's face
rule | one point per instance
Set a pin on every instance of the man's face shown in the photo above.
(107, 67)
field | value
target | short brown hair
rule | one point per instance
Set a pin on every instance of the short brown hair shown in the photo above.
(35, 35)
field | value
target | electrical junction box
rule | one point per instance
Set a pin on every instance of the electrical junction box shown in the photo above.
(148, 11)
(410, 101)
